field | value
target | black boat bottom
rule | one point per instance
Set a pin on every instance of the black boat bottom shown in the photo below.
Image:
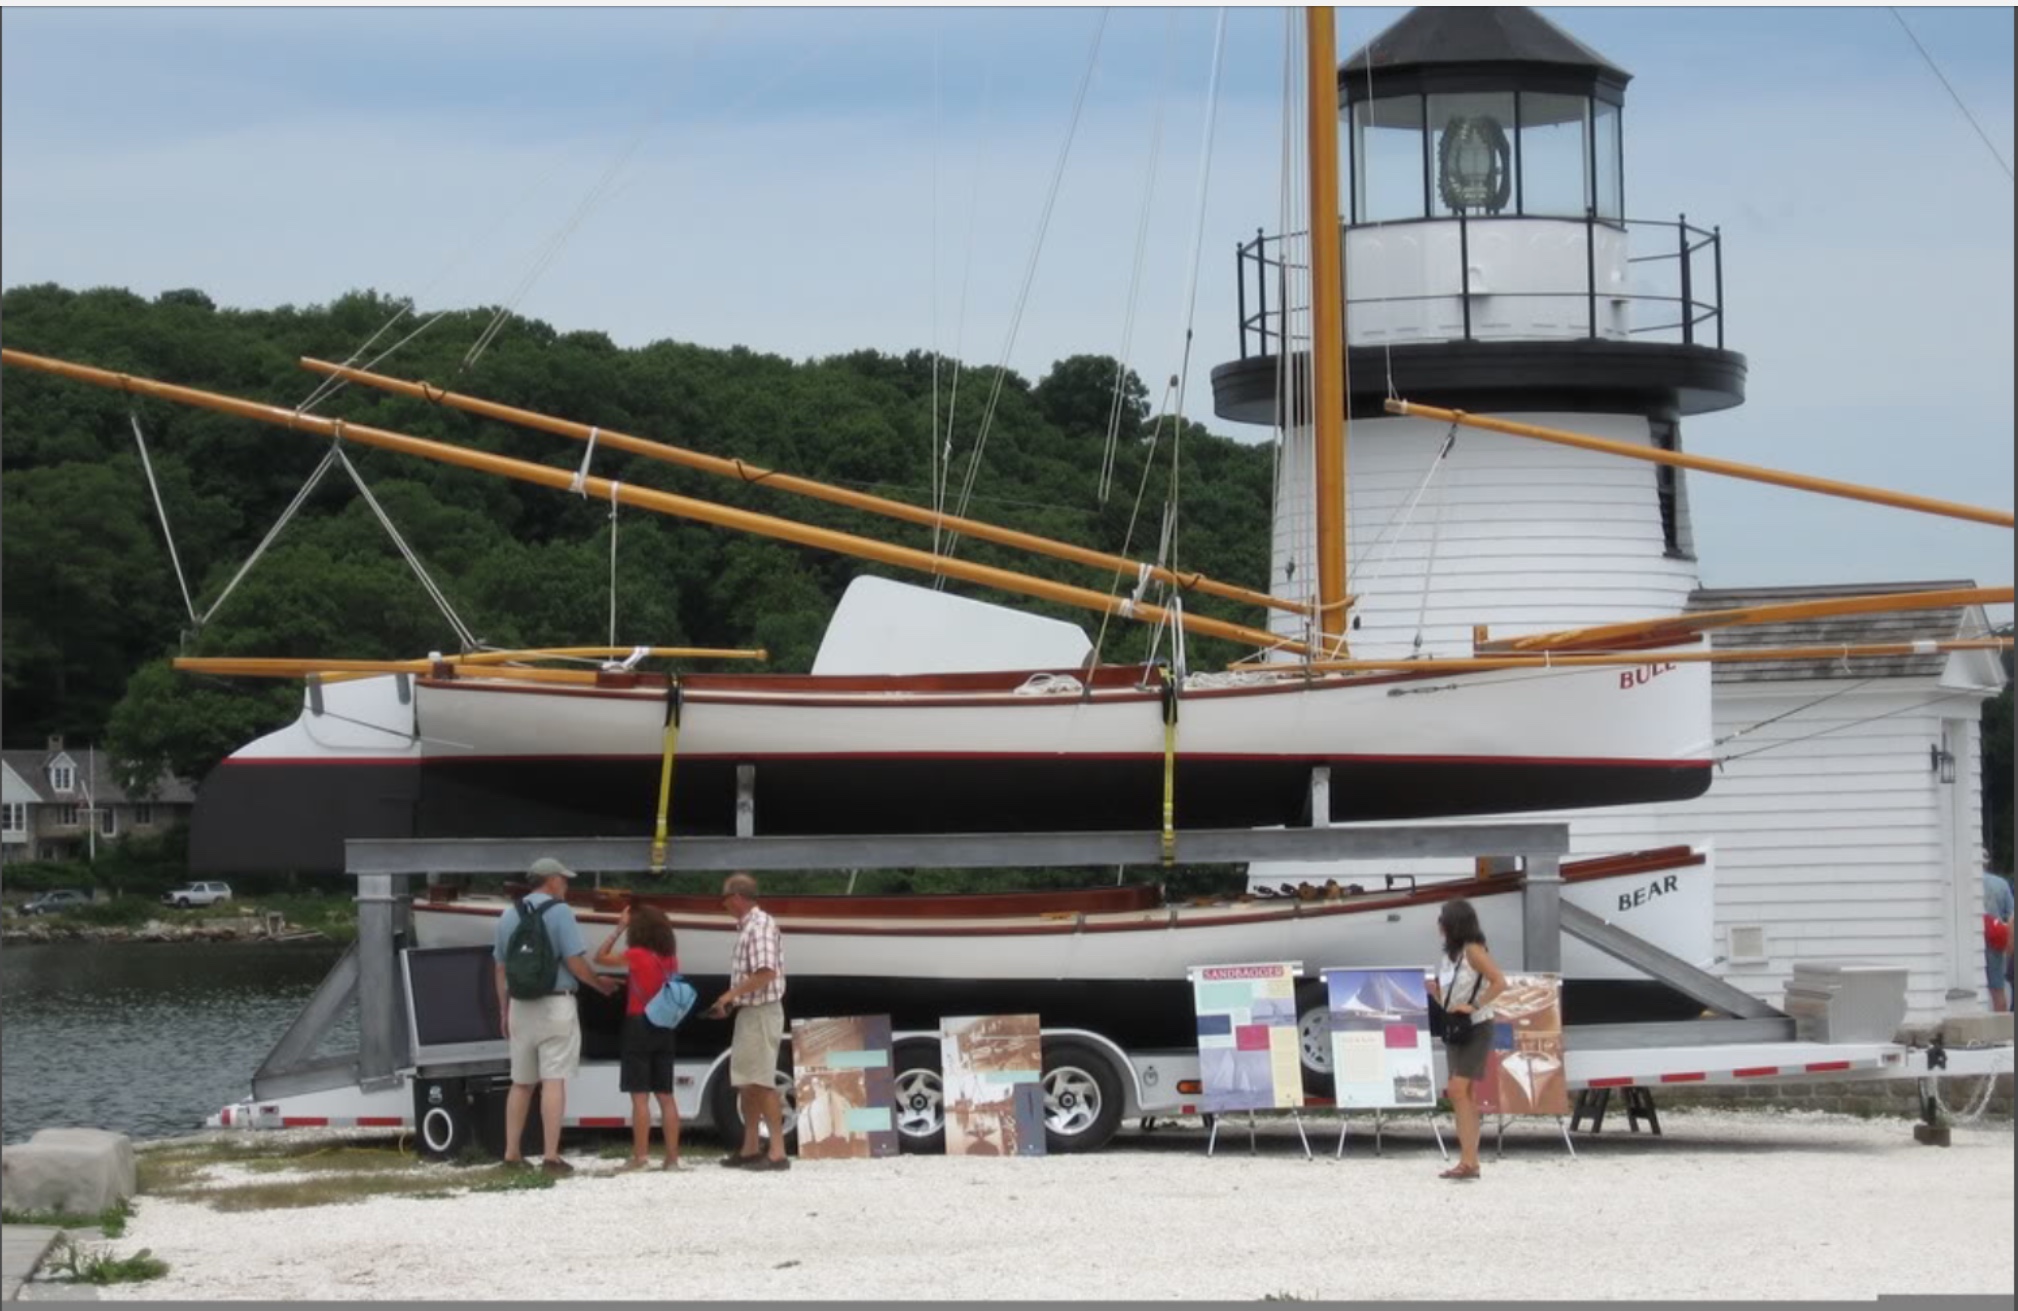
(253, 817)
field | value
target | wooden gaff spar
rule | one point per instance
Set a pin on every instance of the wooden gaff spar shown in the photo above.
(1623, 659)
(1708, 464)
(1681, 628)
(685, 507)
(743, 471)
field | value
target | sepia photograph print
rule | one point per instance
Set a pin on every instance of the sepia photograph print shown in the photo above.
(992, 1065)
(844, 1086)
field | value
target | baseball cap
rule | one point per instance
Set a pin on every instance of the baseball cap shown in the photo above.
(546, 867)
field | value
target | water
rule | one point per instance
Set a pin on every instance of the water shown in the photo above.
(147, 1039)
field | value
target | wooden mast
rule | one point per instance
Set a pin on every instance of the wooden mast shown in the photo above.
(1327, 326)
(685, 507)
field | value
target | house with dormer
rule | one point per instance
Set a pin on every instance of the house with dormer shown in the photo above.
(60, 803)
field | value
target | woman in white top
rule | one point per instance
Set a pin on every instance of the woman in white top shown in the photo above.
(1465, 983)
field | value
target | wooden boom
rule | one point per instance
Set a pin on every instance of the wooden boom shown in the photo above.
(785, 482)
(642, 498)
(1682, 627)
(1708, 464)
(1576, 659)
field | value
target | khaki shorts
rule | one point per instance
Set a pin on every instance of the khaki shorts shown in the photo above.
(546, 1040)
(753, 1055)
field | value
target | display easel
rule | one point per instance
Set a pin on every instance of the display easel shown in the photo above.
(1499, 1135)
(1212, 1139)
(1430, 1116)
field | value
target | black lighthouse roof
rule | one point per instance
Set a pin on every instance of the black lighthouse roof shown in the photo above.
(1466, 48)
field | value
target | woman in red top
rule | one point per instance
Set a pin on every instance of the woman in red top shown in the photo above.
(646, 1071)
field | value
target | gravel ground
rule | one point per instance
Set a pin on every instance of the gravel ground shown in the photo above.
(1724, 1205)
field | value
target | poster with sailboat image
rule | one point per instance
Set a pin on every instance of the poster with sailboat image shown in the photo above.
(1249, 1056)
(1380, 1045)
(1524, 1073)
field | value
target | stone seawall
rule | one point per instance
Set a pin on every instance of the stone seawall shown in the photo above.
(233, 928)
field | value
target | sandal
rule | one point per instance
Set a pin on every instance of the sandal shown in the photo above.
(672, 1164)
(1460, 1171)
(635, 1163)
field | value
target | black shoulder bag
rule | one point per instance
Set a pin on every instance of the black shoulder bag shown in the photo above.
(1455, 1027)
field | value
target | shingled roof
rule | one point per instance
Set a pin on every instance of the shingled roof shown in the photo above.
(1841, 630)
(33, 767)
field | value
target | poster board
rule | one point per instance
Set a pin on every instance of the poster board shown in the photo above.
(1524, 1073)
(1381, 1057)
(1248, 1051)
(845, 1087)
(993, 1067)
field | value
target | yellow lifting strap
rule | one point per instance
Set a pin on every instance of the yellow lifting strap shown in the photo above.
(1169, 770)
(674, 699)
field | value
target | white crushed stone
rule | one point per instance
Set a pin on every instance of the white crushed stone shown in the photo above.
(1769, 1205)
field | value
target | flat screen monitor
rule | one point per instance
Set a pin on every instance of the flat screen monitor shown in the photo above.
(452, 1009)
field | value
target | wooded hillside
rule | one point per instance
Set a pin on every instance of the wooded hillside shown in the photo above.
(92, 611)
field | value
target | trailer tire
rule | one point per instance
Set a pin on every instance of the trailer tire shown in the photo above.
(1313, 1038)
(920, 1098)
(1082, 1097)
(728, 1116)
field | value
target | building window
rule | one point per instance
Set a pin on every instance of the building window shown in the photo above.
(143, 815)
(14, 817)
(63, 777)
(108, 823)
(66, 817)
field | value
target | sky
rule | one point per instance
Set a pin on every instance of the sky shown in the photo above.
(811, 181)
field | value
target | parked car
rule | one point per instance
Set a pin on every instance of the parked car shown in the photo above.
(50, 903)
(198, 894)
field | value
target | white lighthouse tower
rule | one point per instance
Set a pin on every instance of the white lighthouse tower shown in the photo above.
(1490, 266)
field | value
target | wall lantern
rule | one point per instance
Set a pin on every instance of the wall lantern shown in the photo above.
(1941, 761)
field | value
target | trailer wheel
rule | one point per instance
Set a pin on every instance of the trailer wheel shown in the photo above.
(1082, 1097)
(921, 1098)
(1313, 1039)
(728, 1116)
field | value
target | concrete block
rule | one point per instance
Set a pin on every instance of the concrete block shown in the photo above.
(81, 1171)
(1973, 1030)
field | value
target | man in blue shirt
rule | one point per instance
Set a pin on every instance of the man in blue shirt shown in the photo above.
(1997, 904)
(545, 1032)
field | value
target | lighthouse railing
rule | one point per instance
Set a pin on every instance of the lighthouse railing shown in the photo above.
(1663, 298)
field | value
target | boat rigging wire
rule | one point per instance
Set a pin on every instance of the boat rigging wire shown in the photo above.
(167, 533)
(1117, 398)
(1788, 714)
(1837, 728)
(1952, 94)
(973, 468)
(1174, 496)
(945, 450)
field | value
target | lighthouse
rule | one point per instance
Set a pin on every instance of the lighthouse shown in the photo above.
(1491, 265)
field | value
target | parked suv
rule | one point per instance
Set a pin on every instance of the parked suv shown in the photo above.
(198, 894)
(50, 903)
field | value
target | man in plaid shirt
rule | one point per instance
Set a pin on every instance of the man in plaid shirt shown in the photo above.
(757, 992)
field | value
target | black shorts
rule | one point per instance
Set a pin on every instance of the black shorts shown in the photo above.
(646, 1065)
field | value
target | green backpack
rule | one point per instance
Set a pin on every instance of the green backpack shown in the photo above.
(531, 963)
